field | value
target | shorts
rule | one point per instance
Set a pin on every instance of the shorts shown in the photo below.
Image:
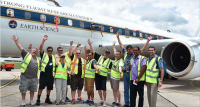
(28, 84)
(76, 83)
(114, 84)
(46, 82)
(89, 85)
(68, 80)
(100, 82)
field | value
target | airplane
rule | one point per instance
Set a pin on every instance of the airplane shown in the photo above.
(30, 20)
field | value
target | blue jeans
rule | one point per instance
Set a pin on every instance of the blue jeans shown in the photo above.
(126, 78)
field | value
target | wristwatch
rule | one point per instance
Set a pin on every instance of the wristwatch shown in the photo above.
(161, 80)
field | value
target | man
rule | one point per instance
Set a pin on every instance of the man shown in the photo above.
(115, 75)
(104, 64)
(138, 68)
(91, 68)
(128, 55)
(77, 70)
(68, 61)
(154, 76)
(48, 63)
(29, 72)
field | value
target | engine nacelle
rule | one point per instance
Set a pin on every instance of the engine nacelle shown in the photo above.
(182, 59)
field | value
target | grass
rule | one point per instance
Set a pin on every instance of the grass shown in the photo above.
(17, 65)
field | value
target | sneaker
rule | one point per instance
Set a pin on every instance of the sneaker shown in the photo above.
(38, 102)
(100, 103)
(91, 103)
(117, 105)
(126, 106)
(32, 102)
(104, 104)
(67, 99)
(113, 104)
(87, 101)
(73, 101)
(57, 103)
(80, 99)
(48, 101)
(63, 102)
(23, 103)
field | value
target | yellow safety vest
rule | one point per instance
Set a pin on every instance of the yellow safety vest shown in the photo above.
(139, 68)
(26, 61)
(103, 66)
(74, 66)
(67, 58)
(152, 72)
(89, 72)
(61, 72)
(45, 60)
(115, 73)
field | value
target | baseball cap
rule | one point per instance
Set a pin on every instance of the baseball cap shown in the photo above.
(107, 51)
(62, 56)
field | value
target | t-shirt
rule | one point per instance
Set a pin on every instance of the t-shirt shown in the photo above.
(97, 56)
(32, 68)
(49, 67)
(79, 66)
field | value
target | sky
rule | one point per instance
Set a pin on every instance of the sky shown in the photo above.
(178, 16)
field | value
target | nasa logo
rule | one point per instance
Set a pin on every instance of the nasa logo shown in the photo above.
(12, 24)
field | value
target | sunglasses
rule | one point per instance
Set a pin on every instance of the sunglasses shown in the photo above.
(78, 53)
(49, 50)
(60, 50)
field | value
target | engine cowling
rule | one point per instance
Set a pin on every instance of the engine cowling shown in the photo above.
(182, 59)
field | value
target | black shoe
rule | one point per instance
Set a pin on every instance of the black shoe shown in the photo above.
(48, 101)
(126, 106)
(37, 103)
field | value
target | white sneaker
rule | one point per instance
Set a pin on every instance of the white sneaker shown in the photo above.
(23, 103)
(100, 103)
(104, 104)
(32, 102)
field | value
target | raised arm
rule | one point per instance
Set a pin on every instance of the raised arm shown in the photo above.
(90, 43)
(85, 48)
(70, 48)
(146, 44)
(119, 41)
(29, 48)
(17, 43)
(114, 49)
(42, 44)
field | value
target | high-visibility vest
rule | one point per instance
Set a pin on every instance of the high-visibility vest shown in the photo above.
(45, 60)
(26, 61)
(103, 66)
(61, 72)
(115, 73)
(74, 66)
(67, 58)
(89, 72)
(125, 56)
(152, 73)
(139, 68)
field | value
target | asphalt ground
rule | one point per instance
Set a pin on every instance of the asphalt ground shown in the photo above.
(174, 93)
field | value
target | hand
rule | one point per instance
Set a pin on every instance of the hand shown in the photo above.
(30, 46)
(121, 76)
(98, 71)
(130, 65)
(89, 42)
(136, 81)
(68, 72)
(78, 44)
(45, 38)
(145, 83)
(85, 48)
(114, 43)
(160, 84)
(15, 38)
(117, 35)
(150, 38)
(71, 42)
(72, 73)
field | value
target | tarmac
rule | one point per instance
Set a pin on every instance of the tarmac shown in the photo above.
(173, 93)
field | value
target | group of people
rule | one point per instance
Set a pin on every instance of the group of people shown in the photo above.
(70, 68)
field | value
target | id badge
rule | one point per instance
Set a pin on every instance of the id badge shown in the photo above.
(133, 64)
(134, 83)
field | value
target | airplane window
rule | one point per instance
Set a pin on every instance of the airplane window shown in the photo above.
(146, 36)
(42, 17)
(120, 31)
(27, 15)
(141, 34)
(70, 22)
(111, 29)
(134, 33)
(102, 28)
(10, 12)
(81, 24)
(127, 32)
